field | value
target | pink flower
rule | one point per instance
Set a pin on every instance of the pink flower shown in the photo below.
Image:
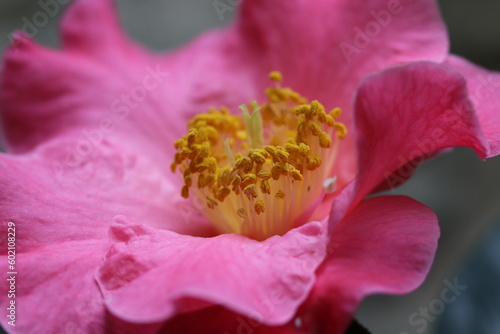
(104, 241)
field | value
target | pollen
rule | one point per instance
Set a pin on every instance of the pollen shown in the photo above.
(258, 171)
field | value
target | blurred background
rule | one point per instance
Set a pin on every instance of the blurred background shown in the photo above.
(463, 190)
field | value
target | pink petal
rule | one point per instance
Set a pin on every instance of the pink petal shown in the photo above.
(152, 275)
(407, 113)
(55, 289)
(83, 95)
(56, 195)
(307, 41)
(386, 245)
(484, 92)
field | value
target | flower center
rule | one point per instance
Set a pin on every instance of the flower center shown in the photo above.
(261, 174)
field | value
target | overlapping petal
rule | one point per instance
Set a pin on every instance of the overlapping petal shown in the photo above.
(406, 113)
(152, 275)
(484, 92)
(385, 245)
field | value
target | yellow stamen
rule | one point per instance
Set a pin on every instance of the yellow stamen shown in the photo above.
(259, 207)
(280, 194)
(275, 76)
(283, 151)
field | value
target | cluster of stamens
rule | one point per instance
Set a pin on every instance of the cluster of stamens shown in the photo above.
(261, 190)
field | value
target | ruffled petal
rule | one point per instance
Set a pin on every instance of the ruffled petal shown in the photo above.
(55, 289)
(152, 275)
(484, 92)
(407, 113)
(67, 191)
(386, 245)
(325, 48)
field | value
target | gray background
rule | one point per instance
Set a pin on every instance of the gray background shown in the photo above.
(462, 189)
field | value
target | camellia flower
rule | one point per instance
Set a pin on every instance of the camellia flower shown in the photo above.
(144, 201)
